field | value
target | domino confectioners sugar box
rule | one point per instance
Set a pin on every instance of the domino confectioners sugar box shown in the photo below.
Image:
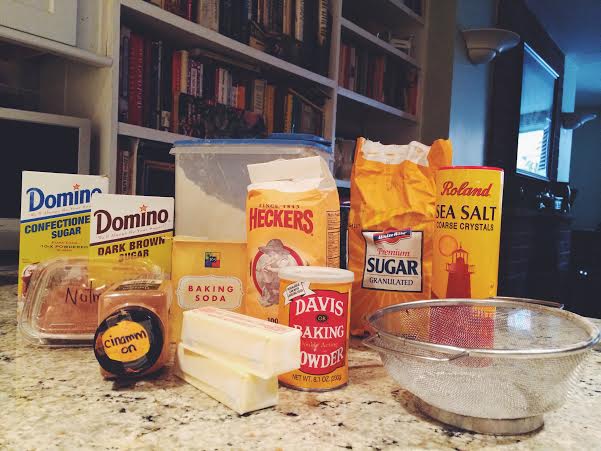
(55, 218)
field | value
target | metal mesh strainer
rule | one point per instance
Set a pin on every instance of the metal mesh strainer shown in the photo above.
(495, 359)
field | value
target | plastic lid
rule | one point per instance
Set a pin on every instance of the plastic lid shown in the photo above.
(281, 140)
(62, 294)
(300, 136)
(486, 168)
(129, 341)
(319, 274)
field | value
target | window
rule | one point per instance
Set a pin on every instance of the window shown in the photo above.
(536, 115)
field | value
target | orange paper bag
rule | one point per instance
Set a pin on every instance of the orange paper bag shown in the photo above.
(391, 223)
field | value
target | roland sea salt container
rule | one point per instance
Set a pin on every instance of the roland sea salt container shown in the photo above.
(211, 179)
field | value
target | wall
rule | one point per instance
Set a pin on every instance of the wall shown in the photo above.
(471, 86)
(437, 83)
(565, 136)
(585, 173)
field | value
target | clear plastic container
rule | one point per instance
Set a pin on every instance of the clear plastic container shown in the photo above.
(61, 306)
(211, 179)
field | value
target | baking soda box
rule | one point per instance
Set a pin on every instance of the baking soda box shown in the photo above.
(55, 218)
(132, 227)
(206, 273)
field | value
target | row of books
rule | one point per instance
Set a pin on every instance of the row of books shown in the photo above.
(144, 168)
(378, 76)
(194, 92)
(294, 30)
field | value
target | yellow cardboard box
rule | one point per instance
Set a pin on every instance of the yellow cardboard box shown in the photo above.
(206, 273)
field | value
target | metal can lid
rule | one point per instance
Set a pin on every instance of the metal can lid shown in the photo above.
(319, 274)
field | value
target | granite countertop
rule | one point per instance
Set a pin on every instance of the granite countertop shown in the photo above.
(56, 399)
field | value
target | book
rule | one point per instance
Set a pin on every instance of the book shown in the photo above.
(184, 71)
(135, 79)
(174, 6)
(176, 77)
(193, 86)
(269, 107)
(277, 16)
(245, 19)
(288, 113)
(254, 10)
(279, 112)
(299, 17)
(225, 17)
(258, 103)
(146, 83)
(123, 170)
(343, 65)
(287, 17)
(311, 120)
(187, 10)
(208, 14)
(155, 170)
(322, 24)
(310, 47)
(352, 68)
(125, 35)
(321, 62)
(155, 95)
(235, 19)
(166, 91)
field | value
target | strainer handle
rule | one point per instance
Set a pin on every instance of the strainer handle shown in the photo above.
(530, 301)
(370, 343)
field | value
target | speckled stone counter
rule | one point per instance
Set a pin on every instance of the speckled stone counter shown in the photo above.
(56, 399)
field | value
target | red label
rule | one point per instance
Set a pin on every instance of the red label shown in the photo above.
(449, 189)
(322, 320)
(288, 219)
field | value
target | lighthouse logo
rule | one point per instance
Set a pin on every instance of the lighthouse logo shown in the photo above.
(459, 283)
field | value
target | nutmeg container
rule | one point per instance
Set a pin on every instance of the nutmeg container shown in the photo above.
(317, 301)
(467, 232)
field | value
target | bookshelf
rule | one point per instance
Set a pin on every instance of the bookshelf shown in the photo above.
(188, 34)
(136, 131)
(372, 40)
(89, 74)
(371, 103)
(43, 45)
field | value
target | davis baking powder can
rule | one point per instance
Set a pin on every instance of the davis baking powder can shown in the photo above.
(468, 232)
(316, 301)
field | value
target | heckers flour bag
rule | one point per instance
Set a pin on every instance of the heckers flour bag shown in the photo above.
(292, 219)
(391, 222)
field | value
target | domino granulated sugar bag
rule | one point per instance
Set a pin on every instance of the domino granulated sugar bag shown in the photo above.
(391, 224)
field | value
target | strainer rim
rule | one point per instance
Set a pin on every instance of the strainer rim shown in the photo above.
(577, 347)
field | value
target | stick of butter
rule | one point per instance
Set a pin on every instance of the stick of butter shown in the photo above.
(255, 346)
(240, 391)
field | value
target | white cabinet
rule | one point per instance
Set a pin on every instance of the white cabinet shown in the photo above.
(51, 19)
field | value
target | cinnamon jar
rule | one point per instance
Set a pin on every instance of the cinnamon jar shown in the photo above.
(132, 338)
